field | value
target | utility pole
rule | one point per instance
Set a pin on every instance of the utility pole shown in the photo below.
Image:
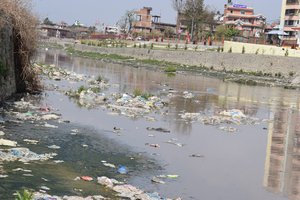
(193, 21)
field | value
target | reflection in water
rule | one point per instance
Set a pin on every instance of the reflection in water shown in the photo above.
(282, 167)
(282, 164)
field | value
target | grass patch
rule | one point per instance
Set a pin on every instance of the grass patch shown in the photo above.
(140, 93)
(170, 69)
(96, 55)
(24, 195)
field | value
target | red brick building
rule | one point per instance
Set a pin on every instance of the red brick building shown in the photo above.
(243, 18)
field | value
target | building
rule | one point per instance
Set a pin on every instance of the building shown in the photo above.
(146, 22)
(290, 16)
(243, 18)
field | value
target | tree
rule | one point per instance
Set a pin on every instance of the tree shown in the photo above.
(178, 6)
(92, 29)
(194, 15)
(223, 31)
(169, 32)
(126, 22)
(47, 21)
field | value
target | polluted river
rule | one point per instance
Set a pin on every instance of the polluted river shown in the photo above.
(177, 136)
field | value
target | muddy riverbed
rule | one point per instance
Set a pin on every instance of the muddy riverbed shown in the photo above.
(207, 156)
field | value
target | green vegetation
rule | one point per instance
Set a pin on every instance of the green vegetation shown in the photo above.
(243, 50)
(96, 55)
(151, 46)
(225, 32)
(105, 43)
(286, 53)
(291, 74)
(80, 89)
(140, 93)
(24, 195)
(100, 78)
(170, 69)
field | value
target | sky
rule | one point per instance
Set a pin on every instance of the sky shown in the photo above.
(109, 12)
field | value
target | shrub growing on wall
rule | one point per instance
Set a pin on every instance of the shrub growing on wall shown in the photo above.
(16, 13)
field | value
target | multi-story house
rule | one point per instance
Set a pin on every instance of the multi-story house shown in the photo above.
(243, 18)
(290, 16)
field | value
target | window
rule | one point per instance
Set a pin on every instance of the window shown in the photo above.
(242, 12)
(138, 18)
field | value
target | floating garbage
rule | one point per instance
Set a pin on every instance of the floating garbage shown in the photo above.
(8, 143)
(28, 141)
(109, 165)
(23, 155)
(188, 95)
(86, 178)
(197, 156)
(158, 129)
(157, 180)
(234, 116)
(2, 133)
(50, 125)
(105, 181)
(154, 145)
(50, 117)
(122, 170)
(54, 147)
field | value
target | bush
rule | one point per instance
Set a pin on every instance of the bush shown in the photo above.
(291, 74)
(170, 69)
(243, 50)
(16, 13)
(286, 53)
(151, 46)
(230, 50)
(24, 195)
(257, 51)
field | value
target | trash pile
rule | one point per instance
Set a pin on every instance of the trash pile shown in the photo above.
(136, 106)
(88, 97)
(23, 155)
(56, 73)
(123, 191)
(221, 119)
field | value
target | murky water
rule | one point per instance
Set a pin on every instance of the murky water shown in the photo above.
(257, 162)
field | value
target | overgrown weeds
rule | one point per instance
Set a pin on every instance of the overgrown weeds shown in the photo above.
(17, 15)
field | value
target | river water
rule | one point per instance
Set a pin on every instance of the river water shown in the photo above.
(260, 161)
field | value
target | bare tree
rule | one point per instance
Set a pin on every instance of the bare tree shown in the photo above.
(178, 6)
(126, 22)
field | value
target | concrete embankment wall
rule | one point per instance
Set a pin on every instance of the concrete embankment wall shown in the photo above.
(219, 61)
(7, 63)
(237, 47)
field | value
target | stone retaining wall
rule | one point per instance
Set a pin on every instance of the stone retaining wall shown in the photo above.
(7, 64)
(219, 61)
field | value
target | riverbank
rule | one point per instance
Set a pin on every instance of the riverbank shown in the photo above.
(240, 68)
(214, 152)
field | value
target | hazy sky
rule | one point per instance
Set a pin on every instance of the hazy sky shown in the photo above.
(110, 11)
